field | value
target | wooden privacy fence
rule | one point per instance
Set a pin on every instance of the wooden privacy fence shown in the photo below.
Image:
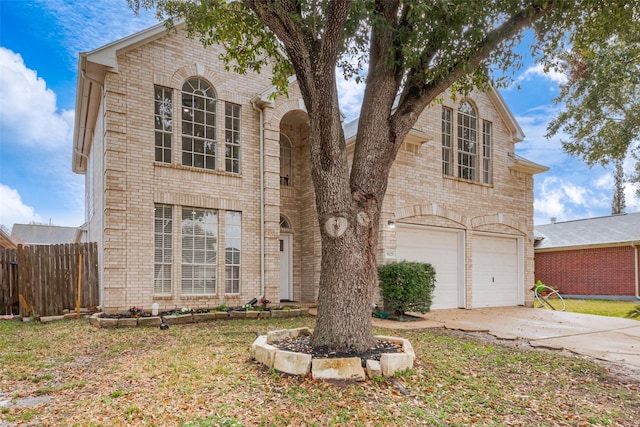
(44, 280)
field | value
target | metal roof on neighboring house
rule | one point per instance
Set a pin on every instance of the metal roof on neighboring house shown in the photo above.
(606, 230)
(38, 234)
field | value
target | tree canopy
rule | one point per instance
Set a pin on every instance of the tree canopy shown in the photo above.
(601, 99)
(408, 53)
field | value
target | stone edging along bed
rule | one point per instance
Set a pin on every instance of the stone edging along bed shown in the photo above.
(339, 368)
(98, 320)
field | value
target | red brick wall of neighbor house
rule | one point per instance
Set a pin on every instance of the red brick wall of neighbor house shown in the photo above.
(598, 271)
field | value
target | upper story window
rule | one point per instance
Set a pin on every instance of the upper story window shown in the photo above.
(486, 152)
(286, 161)
(163, 122)
(231, 137)
(447, 148)
(198, 124)
(469, 147)
(467, 142)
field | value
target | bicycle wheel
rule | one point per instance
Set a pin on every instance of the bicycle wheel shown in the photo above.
(538, 302)
(552, 301)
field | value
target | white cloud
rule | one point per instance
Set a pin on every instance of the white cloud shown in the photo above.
(575, 193)
(86, 25)
(632, 202)
(28, 112)
(350, 94)
(557, 197)
(537, 71)
(536, 146)
(549, 204)
(604, 181)
(13, 210)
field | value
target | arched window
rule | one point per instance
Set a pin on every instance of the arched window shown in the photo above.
(198, 124)
(286, 161)
(467, 142)
(284, 222)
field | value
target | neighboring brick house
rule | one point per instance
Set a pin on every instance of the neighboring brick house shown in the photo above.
(198, 188)
(595, 257)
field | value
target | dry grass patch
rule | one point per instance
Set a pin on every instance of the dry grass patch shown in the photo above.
(201, 375)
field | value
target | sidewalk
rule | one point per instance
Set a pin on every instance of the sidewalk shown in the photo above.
(607, 338)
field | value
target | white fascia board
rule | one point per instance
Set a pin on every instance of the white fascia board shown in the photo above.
(507, 115)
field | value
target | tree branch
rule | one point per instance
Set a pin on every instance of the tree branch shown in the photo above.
(278, 16)
(416, 96)
(332, 38)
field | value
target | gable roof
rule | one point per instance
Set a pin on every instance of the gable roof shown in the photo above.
(38, 234)
(351, 128)
(92, 68)
(615, 230)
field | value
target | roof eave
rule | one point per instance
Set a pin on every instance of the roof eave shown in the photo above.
(588, 246)
(526, 166)
(513, 125)
(92, 68)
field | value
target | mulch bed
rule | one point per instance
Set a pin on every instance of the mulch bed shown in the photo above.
(303, 345)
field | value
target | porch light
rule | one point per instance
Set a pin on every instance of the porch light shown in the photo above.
(392, 224)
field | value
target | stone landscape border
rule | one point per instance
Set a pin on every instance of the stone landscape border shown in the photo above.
(346, 368)
(98, 320)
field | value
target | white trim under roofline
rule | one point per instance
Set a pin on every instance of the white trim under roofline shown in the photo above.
(107, 54)
(591, 246)
(92, 68)
(517, 133)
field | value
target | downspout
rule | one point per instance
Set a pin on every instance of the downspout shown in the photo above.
(635, 247)
(255, 106)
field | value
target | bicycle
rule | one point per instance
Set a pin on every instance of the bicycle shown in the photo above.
(548, 298)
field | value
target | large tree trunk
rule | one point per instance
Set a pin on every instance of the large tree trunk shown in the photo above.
(348, 224)
(348, 204)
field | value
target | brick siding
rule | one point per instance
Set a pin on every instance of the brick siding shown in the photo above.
(127, 182)
(593, 271)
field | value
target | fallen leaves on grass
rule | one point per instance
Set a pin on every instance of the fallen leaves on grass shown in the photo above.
(200, 375)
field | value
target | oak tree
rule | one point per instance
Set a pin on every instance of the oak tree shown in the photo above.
(413, 51)
(600, 101)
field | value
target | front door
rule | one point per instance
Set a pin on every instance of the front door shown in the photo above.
(286, 292)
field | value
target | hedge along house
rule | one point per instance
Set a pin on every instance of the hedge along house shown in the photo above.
(198, 185)
(591, 258)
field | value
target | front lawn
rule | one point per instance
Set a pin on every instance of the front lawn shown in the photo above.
(71, 374)
(600, 307)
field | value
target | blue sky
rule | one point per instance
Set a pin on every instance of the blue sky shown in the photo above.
(39, 45)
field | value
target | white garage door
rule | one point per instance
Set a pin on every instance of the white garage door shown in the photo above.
(495, 271)
(441, 248)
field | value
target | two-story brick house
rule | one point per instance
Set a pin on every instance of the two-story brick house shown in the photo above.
(198, 189)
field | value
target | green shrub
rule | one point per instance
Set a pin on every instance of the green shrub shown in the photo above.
(407, 286)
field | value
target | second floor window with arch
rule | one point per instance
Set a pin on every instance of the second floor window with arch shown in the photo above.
(198, 124)
(467, 142)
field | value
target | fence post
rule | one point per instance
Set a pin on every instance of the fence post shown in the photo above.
(79, 285)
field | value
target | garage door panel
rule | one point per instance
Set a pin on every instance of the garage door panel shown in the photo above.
(440, 249)
(495, 271)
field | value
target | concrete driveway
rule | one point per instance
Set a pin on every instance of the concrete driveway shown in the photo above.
(607, 338)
